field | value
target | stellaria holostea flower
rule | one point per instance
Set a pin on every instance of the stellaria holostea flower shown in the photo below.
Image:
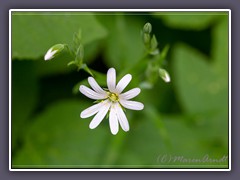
(111, 100)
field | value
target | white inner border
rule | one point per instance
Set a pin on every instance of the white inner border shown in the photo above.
(123, 10)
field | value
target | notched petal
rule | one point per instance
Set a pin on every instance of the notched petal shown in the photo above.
(111, 79)
(133, 105)
(130, 94)
(90, 93)
(122, 84)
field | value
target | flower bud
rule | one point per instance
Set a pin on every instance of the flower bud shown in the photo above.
(147, 28)
(53, 51)
(164, 75)
(146, 39)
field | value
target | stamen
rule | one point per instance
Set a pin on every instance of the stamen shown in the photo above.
(113, 97)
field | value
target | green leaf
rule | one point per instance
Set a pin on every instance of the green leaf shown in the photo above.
(183, 139)
(59, 138)
(199, 88)
(189, 20)
(220, 49)
(33, 33)
(24, 98)
(123, 44)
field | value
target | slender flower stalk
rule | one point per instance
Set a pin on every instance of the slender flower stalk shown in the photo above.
(110, 101)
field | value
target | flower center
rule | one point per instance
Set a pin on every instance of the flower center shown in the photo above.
(112, 96)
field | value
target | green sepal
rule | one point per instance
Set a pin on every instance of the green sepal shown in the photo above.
(146, 39)
(154, 44)
(85, 68)
(163, 55)
(165, 51)
(71, 63)
(77, 40)
(58, 47)
(79, 54)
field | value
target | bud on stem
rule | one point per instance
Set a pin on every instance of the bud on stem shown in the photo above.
(164, 75)
(147, 28)
(53, 51)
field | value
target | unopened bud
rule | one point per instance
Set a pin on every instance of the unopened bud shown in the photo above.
(164, 75)
(53, 51)
(147, 28)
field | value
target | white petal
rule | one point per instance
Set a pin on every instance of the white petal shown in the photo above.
(91, 110)
(111, 79)
(130, 94)
(167, 78)
(134, 105)
(123, 83)
(95, 86)
(100, 115)
(49, 55)
(90, 93)
(113, 121)
(122, 118)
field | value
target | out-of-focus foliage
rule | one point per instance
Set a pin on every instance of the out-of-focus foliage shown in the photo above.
(187, 117)
(195, 77)
(24, 97)
(33, 33)
(123, 46)
(189, 20)
(78, 145)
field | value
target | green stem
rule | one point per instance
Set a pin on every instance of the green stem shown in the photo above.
(116, 144)
(156, 118)
(136, 67)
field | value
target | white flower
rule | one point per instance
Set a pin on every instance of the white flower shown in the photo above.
(111, 101)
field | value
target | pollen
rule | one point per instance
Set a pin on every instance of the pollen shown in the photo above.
(113, 96)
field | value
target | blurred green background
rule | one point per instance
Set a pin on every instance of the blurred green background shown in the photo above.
(185, 118)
